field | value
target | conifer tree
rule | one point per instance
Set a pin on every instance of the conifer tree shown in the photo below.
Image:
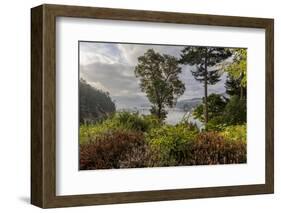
(206, 61)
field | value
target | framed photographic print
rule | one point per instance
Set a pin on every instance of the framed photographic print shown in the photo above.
(135, 106)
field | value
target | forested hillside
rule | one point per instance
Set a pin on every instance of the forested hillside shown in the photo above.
(94, 104)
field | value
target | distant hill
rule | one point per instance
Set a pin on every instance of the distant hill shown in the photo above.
(94, 104)
(188, 104)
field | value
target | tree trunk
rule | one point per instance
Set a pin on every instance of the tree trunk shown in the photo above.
(206, 88)
(159, 111)
(241, 88)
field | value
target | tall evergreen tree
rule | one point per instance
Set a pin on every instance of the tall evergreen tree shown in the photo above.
(233, 87)
(206, 61)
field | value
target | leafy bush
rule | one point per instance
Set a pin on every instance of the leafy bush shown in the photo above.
(212, 148)
(118, 122)
(114, 150)
(204, 148)
(89, 133)
(167, 141)
(216, 124)
(235, 111)
(135, 121)
(235, 133)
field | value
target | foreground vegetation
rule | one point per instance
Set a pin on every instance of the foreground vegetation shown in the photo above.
(131, 140)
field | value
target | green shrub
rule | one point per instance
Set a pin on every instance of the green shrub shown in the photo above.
(177, 146)
(119, 121)
(88, 133)
(235, 133)
(135, 121)
(216, 124)
(166, 141)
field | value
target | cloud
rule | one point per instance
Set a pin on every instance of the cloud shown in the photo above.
(98, 52)
(114, 78)
(131, 52)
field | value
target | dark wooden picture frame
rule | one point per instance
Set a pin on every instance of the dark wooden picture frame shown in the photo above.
(43, 105)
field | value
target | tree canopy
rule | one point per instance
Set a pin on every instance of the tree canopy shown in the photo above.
(233, 87)
(216, 107)
(238, 68)
(159, 79)
(205, 60)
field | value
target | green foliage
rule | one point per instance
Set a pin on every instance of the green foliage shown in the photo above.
(89, 133)
(118, 122)
(216, 124)
(235, 133)
(136, 122)
(235, 111)
(198, 112)
(236, 83)
(238, 68)
(205, 57)
(222, 112)
(207, 66)
(168, 140)
(216, 105)
(197, 148)
(94, 104)
(159, 79)
(233, 87)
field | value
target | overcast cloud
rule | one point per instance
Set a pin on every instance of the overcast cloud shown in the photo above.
(110, 67)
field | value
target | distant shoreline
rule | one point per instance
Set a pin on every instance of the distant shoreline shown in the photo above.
(174, 116)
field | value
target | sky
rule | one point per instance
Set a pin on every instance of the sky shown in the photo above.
(110, 68)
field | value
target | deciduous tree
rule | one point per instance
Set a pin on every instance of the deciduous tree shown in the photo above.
(237, 70)
(159, 79)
